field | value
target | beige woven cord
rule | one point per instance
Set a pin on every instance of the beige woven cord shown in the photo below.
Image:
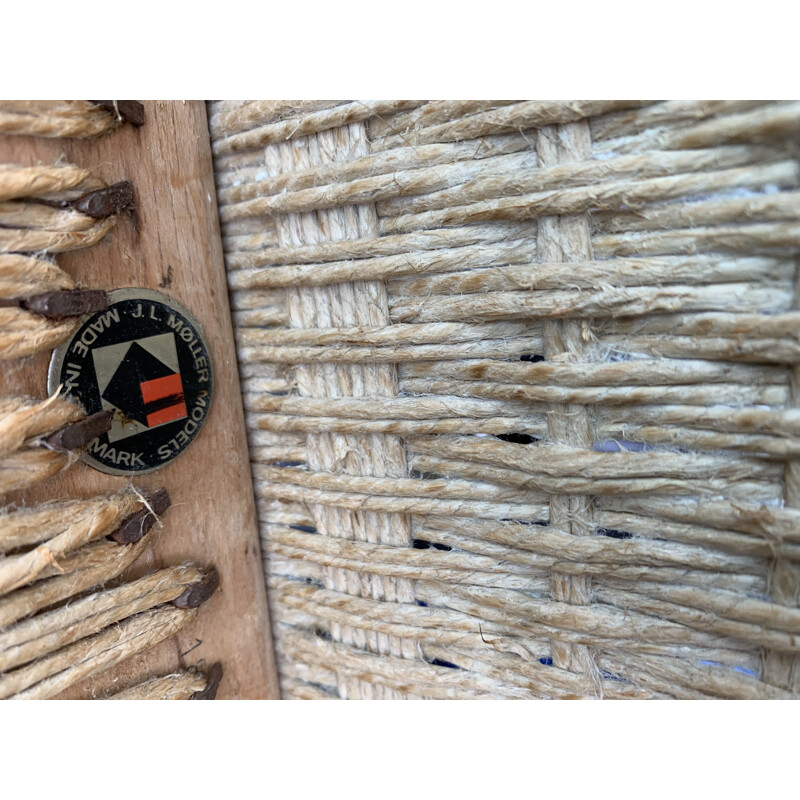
(521, 386)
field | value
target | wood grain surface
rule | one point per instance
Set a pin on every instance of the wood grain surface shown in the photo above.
(171, 243)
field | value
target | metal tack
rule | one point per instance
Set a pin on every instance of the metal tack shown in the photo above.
(102, 203)
(197, 594)
(138, 524)
(80, 433)
(213, 680)
(129, 110)
(69, 303)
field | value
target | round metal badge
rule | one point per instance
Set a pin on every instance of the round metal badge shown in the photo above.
(145, 360)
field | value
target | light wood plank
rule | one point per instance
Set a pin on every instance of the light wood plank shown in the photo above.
(172, 244)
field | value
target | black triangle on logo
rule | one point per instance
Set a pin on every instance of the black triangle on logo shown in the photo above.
(124, 389)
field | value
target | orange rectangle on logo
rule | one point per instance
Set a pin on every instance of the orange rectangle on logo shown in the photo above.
(161, 387)
(178, 411)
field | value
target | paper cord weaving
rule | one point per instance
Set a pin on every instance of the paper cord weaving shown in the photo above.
(521, 384)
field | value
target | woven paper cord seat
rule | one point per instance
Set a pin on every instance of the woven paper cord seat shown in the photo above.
(521, 382)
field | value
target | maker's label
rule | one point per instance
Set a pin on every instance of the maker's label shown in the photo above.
(145, 360)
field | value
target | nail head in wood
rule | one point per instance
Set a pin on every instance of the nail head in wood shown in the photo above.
(213, 679)
(128, 110)
(138, 524)
(80, 433)
(102, 203)
(196, 595)
(70, 303)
